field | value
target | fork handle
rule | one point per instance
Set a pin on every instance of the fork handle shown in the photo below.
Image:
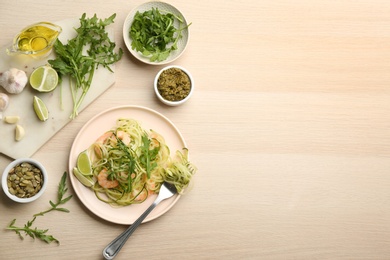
(113, 248)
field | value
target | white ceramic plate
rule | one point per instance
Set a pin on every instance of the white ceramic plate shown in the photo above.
(181, 44)
(95, 127)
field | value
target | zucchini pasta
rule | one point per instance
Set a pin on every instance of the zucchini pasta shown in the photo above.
(128, 163)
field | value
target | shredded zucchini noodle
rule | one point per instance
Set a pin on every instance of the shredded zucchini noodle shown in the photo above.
(129, 163)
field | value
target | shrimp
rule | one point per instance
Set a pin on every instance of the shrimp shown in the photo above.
(141, 196)
(97, 146)
(104, 137)
(104, 182)
(156, 139)
(125, 137)
(122, 135)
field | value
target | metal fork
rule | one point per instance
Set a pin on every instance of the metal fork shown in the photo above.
(167, 190)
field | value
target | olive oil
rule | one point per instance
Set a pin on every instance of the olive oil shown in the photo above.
(36, 38)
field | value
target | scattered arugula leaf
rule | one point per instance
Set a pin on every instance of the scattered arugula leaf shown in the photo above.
(32, 232)
(154, 34)
(41, 233)
(82, 55)
(62, 189)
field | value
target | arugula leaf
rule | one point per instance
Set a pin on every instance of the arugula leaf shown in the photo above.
(148, 155)
(82, 55)
(62, 189)
(128, 163)
(32, 232)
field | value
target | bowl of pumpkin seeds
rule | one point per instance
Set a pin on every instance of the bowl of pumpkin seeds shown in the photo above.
(24, 180)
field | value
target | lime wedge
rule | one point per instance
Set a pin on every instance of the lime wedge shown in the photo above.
(44, 79)
(84, 163)
(40, 109)
(86, 181)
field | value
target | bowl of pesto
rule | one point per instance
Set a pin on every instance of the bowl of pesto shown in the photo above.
(173, 85)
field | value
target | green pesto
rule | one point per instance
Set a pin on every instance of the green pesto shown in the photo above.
(174, 84)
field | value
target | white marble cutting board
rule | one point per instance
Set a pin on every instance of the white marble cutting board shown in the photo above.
(38, 132)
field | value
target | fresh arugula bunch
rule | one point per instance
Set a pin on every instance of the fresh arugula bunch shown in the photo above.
(154, 34)
(82, 55)
(42, 233)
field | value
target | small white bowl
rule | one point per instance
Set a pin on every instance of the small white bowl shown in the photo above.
(168, 102)
(181, 43)
(12, 165)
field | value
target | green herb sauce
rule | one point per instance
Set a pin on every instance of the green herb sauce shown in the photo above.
(174, 84)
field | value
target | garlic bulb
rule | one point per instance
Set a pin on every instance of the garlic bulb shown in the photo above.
(13, 80)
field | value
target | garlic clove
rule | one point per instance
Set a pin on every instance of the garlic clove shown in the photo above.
(11, 119)
(19, 132)
(4, 101)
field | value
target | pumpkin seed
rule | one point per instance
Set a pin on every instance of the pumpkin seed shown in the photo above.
(12, 191)
(24, 180)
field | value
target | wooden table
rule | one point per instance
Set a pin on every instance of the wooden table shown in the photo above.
(289, 127)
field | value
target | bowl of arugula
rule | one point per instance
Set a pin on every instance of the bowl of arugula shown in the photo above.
(156, 33)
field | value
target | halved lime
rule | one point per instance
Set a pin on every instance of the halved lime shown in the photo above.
(44, 79)
(84, 163)
(85, 180)
(40, 109)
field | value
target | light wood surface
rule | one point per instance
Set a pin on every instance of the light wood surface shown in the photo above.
(289, 127)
